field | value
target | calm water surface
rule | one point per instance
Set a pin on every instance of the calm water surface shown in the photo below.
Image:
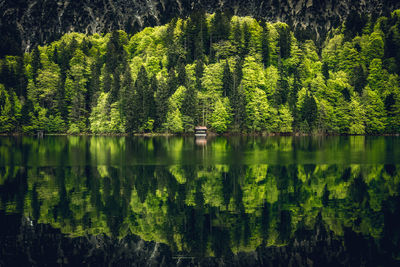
(245, 201)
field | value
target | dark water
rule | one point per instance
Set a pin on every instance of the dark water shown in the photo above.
(127, 201)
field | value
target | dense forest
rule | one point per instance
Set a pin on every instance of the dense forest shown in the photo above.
(232, 74)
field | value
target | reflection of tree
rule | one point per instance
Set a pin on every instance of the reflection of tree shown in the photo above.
(212, 210)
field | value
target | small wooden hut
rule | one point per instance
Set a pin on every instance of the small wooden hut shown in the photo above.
(200, 131)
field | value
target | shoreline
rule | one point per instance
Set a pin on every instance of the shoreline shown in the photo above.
(210, 134)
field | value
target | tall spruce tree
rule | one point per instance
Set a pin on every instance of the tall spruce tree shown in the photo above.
(199, 70)
(128, 101)
(265, 46)
(246, 39)
(227, 81)
(141, 108)
(284, 41)
(36, 63)
(161, 100)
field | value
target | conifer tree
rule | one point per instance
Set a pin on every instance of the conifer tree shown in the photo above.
(285, 41)
(199, 70)
(172, 82)
(161, 101)
(237, 35)
(246, 39)
(128, 101)
(309, 110)
(36, 63)
(21, 80)
(189, 104)
(265, 46)
(181, 77)
(227, 81)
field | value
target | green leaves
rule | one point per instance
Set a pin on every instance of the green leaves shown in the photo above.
(228, 73)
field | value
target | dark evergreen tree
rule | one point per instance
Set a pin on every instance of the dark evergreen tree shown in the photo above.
(181, 78)
(237, 35)
(27, 109)
(21, 79)
(161, 104)
(61, 104)
(115, 86)
(189, 104)
(285, 41)
(227, 81)
(309, 110)
(150, 100)
(292, 97)
(36, 63)
(265, 47)
(172, 54)
(237, 99)
(128, 101)
(246, 39)
(199, 70)
(85, 46)
(141, 108)
(359, 78)
(282, 91)
(325, 70)
(55, 55)
(238, 73)
(220, 27)
(172, 82)
(94, 83)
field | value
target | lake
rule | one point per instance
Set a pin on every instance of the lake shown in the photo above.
(225, 201)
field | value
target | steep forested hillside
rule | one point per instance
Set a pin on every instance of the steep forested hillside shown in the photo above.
(232, 74)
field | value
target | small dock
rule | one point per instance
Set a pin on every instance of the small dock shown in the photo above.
(200, 131)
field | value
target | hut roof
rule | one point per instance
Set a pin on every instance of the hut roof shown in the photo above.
(201, 128)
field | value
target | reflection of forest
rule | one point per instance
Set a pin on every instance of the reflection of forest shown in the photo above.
(244, 150)
(198, 210)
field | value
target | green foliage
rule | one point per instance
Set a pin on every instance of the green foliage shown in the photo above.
(220, 118)
(273, 82)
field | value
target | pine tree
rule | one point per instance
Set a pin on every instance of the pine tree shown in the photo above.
(237, 35)
(246, 39)
(140, 102)
(265, 47)
(150, 101)
(172, 82)
(189, 104)
(199, 70)
(220, 26)
(128, 100)
(238, 73)
(172, 55)
(282, 91)
(22, 81)
(360, 78)
(309, 110)
(36, 64)
(181, 79)
(115, 86)
(161, 104)
(285, 41)
(227, 81)
(94, 83)
(325, 70)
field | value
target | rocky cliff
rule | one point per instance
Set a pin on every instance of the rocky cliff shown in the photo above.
(25, 23)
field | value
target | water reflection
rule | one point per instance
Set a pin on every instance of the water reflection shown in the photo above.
(213, 210)
(128, 151)
(203, 210)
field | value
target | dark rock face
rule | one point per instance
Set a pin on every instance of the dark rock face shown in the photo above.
(25, 23)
